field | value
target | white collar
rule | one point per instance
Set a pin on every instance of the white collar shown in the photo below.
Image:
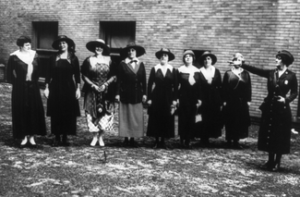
(237, 71)
(166, 67)
(184, 69)
(26, 58)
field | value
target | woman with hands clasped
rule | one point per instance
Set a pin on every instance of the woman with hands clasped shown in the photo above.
(96, 75)
(131, 92)
(275, 127)
(237, 97)
(211, 87)
(62, 91)
(162, 96)
(189, 98)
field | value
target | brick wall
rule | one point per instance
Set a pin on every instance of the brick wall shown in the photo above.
(256, 28)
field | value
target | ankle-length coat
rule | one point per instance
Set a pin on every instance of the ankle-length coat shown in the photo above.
(28, 117)
(275, 127)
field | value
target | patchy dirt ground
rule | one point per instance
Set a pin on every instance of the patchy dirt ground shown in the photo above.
(80, 170)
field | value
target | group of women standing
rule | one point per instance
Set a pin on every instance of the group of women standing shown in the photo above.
(203, 101)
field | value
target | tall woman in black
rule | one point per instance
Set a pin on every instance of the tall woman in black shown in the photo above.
(237, 97)
(162, 96)
(211, 87)
(275, 127)
(28, 117)
(189, 95)
(62, 91)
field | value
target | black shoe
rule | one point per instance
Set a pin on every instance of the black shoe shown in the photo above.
(276, 168)
(133, 144)
(205, 142)
(237, 146)
(156, 145)
(164, 146)
(267, 166)
(126, 142)
(65, 141)
(65, 144)
(228, 144)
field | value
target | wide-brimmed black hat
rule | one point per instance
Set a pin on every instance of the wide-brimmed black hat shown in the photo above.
(98, 42)
(159, 53)
(287, 56)
(205, 54)
(139, 49)
(60, 38)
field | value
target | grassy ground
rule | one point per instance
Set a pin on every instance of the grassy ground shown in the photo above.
(80, 170)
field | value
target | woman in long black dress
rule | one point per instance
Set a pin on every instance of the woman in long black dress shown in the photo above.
(162, 97)
(131, 92)
(237, 97)
(275, 127)
(62, 91)
(28, 117)
(211, 87)
(96, 75)
(189, 98)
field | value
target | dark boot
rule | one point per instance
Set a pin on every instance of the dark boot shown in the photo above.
(57, 141)
(270, 163)
(276, 166)
(126, 142)
(65, 141)
(156, 145)
(132, 143)
(237, 145)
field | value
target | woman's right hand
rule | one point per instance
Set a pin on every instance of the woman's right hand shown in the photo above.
(149, 102)
(117, 98)
(46, 92)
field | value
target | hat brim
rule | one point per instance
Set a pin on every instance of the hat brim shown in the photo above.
(55, 44)
(139, 50)
(288, 57)
(92, 45)
(158, 55)
(213, 57)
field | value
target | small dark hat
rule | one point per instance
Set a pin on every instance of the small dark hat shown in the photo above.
(205, 54)
(188, 52)
(139, 49)
(98, 42)
(22, 40)
(63, 38)
(287, 56)
(159, 53)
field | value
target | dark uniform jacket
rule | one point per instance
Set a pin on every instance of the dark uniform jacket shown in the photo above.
(275, 128)
(131, 83)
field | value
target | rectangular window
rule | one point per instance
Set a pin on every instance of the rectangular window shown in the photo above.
(43, 35)
(117, 34)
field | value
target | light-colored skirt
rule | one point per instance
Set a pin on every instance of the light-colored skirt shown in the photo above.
(131, 120)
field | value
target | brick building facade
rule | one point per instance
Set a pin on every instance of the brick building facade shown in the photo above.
(256, 28)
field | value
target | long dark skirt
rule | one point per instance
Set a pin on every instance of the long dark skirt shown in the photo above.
(63, 126)
(237, 120)
(186, 121)
(161, 122)
(28, 117)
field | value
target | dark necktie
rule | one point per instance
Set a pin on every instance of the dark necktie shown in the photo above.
(133, 61)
